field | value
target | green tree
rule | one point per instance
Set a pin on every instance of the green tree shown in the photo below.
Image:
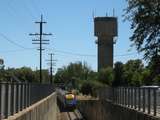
(136, 79)
(157, 80)
(24, 74)
(118, 74)
(146, 77)
(106, 75)
(145, 18)
(72, 73)
(154, 66)
(45, 76)
(132, 72)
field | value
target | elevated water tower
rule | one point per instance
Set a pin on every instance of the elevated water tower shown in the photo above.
(105, 29)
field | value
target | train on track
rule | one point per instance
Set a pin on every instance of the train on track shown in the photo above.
(66, 100)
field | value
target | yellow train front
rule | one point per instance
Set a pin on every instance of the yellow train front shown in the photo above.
(70, 100)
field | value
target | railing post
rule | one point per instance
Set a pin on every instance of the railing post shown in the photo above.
(12, 95)
(25, 96)
(139, 99)
(17, 97)
(132, 97)
(21, 96)
(144, 100)
(118, 95)
(155, 101)
(29, 94)
(149, 100)
(6, 101)
(113, 96)
(0, 100)
(122, 95)
(125, 94)
(129, 97)
(135, 98)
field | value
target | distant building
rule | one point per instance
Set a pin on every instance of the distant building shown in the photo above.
(105, 28)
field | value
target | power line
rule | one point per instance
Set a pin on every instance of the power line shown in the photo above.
(40, 42)
(17, 50)
(35, 7)
(28, 10)
(11, 41)
(91, 55)
(77, 54)
(128, 54)
(11, 10)
(60, 51)
(11, 4)
(72, 53)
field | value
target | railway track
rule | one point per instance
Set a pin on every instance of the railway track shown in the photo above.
(75, 115)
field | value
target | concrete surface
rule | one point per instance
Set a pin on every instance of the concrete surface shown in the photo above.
(104, 110)
(45, 109)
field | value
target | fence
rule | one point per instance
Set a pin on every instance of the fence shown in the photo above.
(145, 99)
(15, 97)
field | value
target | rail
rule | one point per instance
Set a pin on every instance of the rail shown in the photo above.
(15, 97)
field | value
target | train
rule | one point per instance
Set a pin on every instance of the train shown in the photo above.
(66, 100)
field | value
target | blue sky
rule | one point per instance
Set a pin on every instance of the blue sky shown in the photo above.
(71, 23)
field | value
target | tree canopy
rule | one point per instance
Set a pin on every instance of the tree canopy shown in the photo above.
(23, 74)
(145, 18)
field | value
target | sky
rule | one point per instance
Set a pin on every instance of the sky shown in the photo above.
(70, 22)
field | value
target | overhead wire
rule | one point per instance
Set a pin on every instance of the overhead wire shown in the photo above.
(64, 52)
(58, 51)
(12, 42)
(10, 9)
(77, 54)
(16, 50)
(89, 55)
(13, 12)
(128, 54)
(29, 10)
(35, 7)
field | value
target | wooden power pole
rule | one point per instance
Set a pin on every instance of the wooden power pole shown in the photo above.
(40, 41)
(51, 63)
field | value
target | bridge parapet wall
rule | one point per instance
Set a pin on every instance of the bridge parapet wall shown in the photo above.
(105, 110)
(46, 109)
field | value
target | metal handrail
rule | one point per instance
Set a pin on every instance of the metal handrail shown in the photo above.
(15, 97)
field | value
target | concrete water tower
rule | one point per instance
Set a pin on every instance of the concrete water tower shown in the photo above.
(105, 29)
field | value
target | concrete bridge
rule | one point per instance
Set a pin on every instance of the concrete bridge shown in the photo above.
(25, 101)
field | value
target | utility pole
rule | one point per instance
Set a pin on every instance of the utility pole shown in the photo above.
(51, 63)
(40, 41)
